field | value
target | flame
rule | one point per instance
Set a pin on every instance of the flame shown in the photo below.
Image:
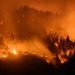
(70, 52)
(62, 59)
(14, 51)
(4, 56)
(64, 56)
(35, 48)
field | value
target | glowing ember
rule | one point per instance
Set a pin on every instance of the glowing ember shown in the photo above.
(58, 51)
(14, 51)
(70, 52)
(4, 56)
(48, 60)
(62, 59)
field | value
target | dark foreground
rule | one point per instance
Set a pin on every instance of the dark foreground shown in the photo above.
(32, 65)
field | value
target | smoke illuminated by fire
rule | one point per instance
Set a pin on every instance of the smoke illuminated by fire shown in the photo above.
(33, 31)
(23, 48)
(34, 47)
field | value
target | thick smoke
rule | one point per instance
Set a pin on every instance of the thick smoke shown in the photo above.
(60, 20)
(32, 20)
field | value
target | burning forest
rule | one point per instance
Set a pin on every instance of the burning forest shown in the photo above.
(58, 49)
(37, 37)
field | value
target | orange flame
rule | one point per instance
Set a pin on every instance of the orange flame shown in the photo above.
(38, 50)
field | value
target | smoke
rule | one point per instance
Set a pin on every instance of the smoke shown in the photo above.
(61, 12)
(55, 16)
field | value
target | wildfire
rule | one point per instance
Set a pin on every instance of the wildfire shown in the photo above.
(70, 52)
(62, 58)
(14, 51)
(7, 53)
(3, 56)
(35, 47)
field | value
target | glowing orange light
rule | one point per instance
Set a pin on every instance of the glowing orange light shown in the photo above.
(14, 51)
(4, 56)
(62, 59)
(48, 61)
(70, 52)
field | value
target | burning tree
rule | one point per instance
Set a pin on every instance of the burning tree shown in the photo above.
(62, 47)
